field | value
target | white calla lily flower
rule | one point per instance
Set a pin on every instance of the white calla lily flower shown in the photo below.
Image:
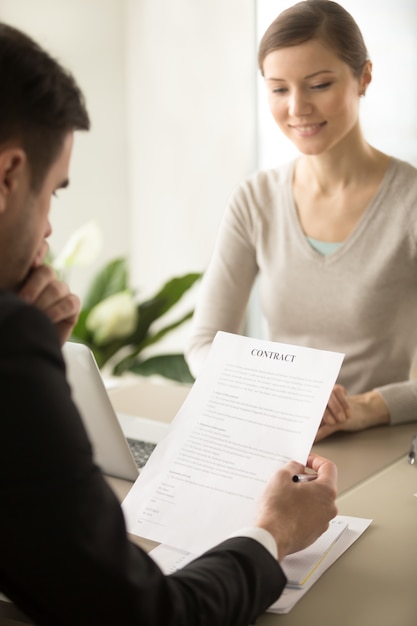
(113, 318)
(81, 249)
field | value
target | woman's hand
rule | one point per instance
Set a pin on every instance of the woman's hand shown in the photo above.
(338, 408)
(365, 410)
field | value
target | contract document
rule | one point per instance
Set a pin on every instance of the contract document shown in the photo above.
(256, 405)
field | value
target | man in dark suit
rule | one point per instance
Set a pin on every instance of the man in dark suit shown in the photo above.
(64, 554)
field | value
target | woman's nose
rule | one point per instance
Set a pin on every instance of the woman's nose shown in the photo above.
(299, 104)
(48, 230)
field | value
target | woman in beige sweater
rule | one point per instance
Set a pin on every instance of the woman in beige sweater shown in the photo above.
(332, 235)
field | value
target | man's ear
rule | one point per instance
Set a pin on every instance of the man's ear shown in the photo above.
(12, 164)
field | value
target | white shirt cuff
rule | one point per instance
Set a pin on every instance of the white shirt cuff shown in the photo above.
(260, 535)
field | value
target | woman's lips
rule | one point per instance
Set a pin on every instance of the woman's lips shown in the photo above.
(307, 130)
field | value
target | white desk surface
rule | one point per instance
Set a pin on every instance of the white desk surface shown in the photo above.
(375, 581)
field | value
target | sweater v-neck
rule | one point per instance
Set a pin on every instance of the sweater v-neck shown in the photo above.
(357, 232)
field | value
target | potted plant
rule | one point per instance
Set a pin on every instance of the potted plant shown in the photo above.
(116, 326)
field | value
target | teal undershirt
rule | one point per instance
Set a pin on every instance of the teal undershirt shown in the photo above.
(323, 247)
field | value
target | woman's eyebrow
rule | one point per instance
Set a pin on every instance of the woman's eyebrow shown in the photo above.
(312, 75)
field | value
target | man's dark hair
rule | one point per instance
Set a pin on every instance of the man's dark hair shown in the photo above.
(40, 101)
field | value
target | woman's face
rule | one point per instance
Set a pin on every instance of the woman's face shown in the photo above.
(313, 95)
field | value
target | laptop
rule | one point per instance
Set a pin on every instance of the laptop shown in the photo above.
(117, 439)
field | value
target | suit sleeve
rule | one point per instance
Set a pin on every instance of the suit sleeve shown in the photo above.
(65, 556)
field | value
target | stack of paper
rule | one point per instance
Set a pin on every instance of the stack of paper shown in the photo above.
(299, 567)
(291, 595)
(302, 568)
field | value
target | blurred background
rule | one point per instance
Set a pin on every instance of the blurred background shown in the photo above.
(179, 117)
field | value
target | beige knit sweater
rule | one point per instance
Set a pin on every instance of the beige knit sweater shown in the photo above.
(360, 300)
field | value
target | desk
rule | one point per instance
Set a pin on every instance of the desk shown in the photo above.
(374, 582)
(361, 455)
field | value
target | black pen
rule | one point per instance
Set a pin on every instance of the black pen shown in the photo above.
(412, 453)
(304, 478)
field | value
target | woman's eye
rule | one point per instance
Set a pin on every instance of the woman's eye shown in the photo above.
(321, 86)
(280, 90)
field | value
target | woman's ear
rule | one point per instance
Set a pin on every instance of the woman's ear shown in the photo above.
(365, 78)
(12, 165)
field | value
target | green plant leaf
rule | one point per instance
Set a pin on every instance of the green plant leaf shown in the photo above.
(104, 353)
(172, 366)
(175, 288)
(171, 292)
(80, 332)
(149, 340)
(110, 280)
(101, 353)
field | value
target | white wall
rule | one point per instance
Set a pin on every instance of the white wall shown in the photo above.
(191, 75)
(88, 37)
(170, 86)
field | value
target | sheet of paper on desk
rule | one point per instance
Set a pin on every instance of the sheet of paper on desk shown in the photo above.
(290, 596)
(256, 405)
(302, 565)
(307, 565)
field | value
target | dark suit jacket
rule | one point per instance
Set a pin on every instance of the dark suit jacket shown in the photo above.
(64, 554)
